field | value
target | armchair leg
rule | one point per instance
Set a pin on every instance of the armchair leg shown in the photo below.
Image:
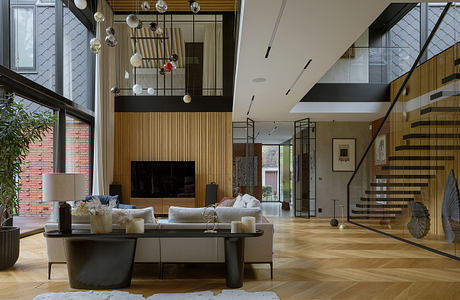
(49, 270)
(271, 270)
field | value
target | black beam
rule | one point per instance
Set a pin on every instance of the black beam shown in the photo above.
(33, 91)
(173, 104)
(85, 16)
(59, 46)
(348, 92)
(228, 53)
(5, 29)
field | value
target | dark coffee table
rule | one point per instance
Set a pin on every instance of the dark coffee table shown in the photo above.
(105, 261)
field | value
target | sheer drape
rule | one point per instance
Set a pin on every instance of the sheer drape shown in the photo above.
(212, 56)
(104, 108)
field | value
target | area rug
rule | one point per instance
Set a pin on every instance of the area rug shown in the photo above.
(118, 295)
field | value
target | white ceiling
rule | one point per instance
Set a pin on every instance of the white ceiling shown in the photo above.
(320, 30)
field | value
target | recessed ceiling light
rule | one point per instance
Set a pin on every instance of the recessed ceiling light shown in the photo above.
(259, 79)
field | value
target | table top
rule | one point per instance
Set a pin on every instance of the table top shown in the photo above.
(153, 233)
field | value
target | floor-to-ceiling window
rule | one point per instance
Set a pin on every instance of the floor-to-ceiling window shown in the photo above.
(46, 63)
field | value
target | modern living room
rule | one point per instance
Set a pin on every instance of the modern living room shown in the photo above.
(181, 149)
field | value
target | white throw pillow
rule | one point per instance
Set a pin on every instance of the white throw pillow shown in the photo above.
(253, 202)
(239, 202)
(247, 198)
(186, 214)
(229, 214)
(143, 213)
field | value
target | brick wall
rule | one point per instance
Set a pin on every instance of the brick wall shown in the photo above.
(40, 160)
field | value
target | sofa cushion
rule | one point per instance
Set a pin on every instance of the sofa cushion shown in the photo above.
(144, 213)
(253, 202)
(105, 199)
(229, 214)
(239, 202)
(227, 201)
(185, 214)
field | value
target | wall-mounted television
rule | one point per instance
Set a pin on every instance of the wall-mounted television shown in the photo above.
(162, 179)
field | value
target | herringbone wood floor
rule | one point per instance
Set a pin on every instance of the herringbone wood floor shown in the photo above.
(312, 261)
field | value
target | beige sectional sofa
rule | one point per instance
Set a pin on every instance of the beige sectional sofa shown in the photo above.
(183, 250)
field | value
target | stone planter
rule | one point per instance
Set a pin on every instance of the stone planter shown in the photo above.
(9, 246)
(101, 223)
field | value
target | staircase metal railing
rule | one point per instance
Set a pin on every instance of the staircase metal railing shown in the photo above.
(402, 197)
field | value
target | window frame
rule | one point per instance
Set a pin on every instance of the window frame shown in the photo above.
(16, 4)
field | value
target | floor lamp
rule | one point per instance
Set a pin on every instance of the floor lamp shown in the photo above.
(63, 187)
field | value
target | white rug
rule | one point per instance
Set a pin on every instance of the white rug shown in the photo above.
(117, 295)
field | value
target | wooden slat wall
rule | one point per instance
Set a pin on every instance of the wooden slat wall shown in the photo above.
(203, 137)
(426, 78)
(174, 5)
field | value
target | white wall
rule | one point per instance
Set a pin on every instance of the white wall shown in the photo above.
(333, 185)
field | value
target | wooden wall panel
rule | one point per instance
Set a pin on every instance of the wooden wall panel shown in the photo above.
(203, 137)
(427, 78)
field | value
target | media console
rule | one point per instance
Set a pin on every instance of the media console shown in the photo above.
(161, 205)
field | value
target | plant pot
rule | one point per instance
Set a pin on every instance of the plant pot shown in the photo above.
(101, 223)
(9, 246)
(285, 206)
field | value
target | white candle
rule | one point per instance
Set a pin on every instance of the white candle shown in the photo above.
(135, 226)
(249, 224)
(237, 227)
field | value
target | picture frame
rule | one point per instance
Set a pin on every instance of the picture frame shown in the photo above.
(343, 154)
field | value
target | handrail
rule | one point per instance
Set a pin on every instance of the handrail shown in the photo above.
(393, 103)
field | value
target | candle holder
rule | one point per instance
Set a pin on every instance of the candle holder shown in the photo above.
(342, 224)
(210, 217)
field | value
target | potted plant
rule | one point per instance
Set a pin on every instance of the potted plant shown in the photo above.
(18, 129)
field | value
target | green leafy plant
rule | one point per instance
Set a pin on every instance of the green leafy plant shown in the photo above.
(18, 129)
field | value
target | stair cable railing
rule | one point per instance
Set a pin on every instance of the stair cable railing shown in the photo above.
(379, 205)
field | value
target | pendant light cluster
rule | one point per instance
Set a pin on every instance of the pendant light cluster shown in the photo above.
(134, 22)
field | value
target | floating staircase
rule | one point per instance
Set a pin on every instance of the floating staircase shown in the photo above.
(399, 183)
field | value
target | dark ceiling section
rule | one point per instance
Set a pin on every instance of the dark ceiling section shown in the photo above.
(348, 92)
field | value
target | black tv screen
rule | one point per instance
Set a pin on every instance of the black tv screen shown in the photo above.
(163, 179)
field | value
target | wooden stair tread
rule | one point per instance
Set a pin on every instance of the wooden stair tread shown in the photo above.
(434, 109)
(399, 184)
(395, 199)
(381, 205)
(413, 167)
(431, 136)
(422, 157)
(435, 123)
(451, 77)
(427, 147)
(405, 176)
(376, 212)
(444, 94)
(392, 192)
(372, 217)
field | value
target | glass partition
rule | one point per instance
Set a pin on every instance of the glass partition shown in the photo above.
(406, 185)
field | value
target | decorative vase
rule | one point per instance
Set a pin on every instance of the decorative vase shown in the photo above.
(135, 226)
(9, 246)
(101, 223)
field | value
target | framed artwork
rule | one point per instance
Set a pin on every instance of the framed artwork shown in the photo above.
(343, 155)
(380, 147)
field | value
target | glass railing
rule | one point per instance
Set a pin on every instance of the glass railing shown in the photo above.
(360, 64)
(406, 184)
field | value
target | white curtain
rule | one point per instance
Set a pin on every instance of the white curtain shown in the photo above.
(104, 108)
(212, 56)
